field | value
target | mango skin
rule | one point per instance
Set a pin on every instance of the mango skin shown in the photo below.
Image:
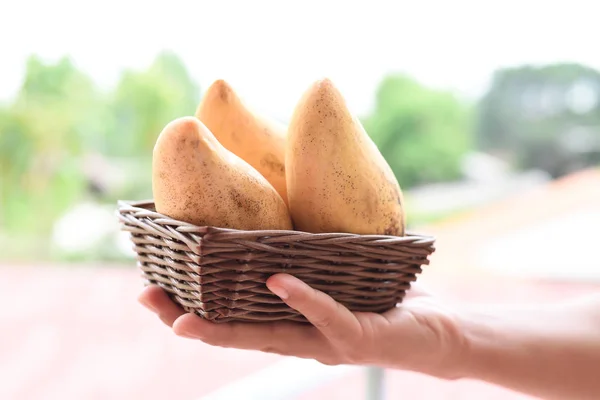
(197, 180)
(254, 138)
(337, 180)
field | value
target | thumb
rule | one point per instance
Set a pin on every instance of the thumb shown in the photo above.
(334, 320)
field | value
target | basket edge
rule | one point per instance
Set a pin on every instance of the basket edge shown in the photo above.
(141, 206)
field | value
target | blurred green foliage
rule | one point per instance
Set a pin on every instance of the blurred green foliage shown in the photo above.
(543, 117)
(60, 118)
(41, 135)
(145, 101)
(422, 133)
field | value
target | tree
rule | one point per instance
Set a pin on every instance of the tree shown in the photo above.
(59, 118)
(142, 104)
(146, 101)
(545, 117)
(41, 135)
(421, 132)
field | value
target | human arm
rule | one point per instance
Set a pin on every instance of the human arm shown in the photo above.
(526, 349)
(550, 351)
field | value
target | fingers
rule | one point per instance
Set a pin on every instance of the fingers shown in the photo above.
(282, 337)
(156, 300)
(337, 329)
(332, 319)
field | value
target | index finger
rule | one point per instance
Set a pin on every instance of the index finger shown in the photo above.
(286, 338)
(332, 319)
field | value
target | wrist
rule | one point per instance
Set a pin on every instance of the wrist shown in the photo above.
(480, 339)
(477, 333)
(545, 351)
(450, 357)
(458, 361)
(496, 338)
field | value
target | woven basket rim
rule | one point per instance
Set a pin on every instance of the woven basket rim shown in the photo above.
(220, 273)
(146, 207)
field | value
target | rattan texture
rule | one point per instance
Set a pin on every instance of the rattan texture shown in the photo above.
(220, 274)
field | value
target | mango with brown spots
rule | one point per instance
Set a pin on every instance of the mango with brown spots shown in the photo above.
(197, 180)
(337, 180)
(254, 138)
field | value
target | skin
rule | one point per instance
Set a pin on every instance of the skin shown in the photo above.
(254, 138)
(337, 179)
(551, 351)
(197, 180)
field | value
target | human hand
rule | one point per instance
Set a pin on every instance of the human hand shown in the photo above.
(420, 334)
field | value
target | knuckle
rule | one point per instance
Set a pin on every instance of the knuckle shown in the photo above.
(321, 321)
(328, 315)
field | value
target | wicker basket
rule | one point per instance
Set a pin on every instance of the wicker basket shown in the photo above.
(220, 273)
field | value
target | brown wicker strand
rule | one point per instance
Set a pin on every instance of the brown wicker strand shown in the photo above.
(220, 274)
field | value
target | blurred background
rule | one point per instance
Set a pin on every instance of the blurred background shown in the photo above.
(487, 111)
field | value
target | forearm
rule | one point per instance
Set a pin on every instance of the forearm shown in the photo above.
(551, 351)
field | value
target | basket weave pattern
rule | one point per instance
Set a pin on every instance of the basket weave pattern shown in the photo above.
(220, 274)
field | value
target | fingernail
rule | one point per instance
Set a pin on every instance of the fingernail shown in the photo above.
(148, 306)
(181, 328)
(279, 291)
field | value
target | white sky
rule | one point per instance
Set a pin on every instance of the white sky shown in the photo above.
(271, 50)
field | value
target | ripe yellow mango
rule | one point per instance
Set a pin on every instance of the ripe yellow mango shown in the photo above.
(197, 180)
(337, 180)
(256, 139)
